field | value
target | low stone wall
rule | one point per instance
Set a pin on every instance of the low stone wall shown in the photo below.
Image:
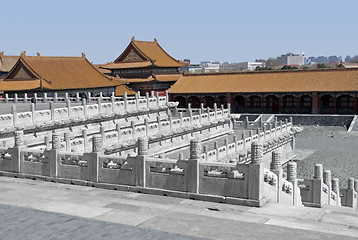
(321, 120)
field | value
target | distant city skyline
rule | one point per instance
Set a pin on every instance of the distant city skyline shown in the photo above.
(232, 31)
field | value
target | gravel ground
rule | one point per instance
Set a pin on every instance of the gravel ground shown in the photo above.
(333, 147)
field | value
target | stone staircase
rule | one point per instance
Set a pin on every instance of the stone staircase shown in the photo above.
(354, 125)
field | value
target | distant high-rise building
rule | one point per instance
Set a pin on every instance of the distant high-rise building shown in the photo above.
(292, 59)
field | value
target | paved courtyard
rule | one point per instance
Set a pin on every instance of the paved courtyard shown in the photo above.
(333, 147)
(35, 210)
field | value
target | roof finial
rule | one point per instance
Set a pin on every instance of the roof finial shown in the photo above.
(83, 55)
(133, 38)
(155, 40)
(2, 53)
(38, 54)
(23, 54)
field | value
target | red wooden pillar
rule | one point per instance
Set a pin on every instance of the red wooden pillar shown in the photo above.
(297, 103)
(215, 99)
(262, 103)
(200, 100)
(186, 101)
(355, 104)
(279, 104)
(246, 103)
(315, 102)
(335, 104)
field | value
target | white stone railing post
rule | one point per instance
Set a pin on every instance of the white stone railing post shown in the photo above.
(140, 164)
(113, 99)
(99, 103)
(55, 97)
(53, 156)
(25, 98)
(6, 97)
(157, 97)
(16, 98)
(125, 100)
(193, 166)
(69, 108)
(327, 179)
(335, 189)
(119, 133)
(52, 110)
(14, 114)
(16, 153)
(256, 173)
(67, 141)
(33, 112)
(276, 167)
(215, 111)
(45, 100)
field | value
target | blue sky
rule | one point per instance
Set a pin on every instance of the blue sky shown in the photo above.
(198, 30)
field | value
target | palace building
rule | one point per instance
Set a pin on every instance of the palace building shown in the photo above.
(6, 63)
(146, 67)
(39, 74)
(328, 91)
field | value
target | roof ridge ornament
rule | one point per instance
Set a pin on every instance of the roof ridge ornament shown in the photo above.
(23, 54)
(155, 40)
(133, 38)
(38, 54)
(1, 53)
(83, 55)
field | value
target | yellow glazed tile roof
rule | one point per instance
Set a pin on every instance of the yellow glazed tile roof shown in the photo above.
(331, 80)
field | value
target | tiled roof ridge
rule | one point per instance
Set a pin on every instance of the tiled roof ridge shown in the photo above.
(109, 78)
(32, 69)
(271, 71)
(168, 53)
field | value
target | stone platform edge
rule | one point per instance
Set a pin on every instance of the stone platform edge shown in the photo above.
(137, 189)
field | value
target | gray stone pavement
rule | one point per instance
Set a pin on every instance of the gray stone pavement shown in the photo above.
(33, 209)
(333, 147)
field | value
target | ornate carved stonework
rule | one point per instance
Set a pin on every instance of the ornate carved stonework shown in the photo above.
(291, 171)
(56, 141)
(97, 143)
(19, 138)
(132, 57)
(256, 152)
(142, 146)
(276, 160)
(194, 149)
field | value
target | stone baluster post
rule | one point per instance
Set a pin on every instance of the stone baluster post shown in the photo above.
(229, 109)
(281, 125)
(190, 116)
(351, 194)
(16, 98)
(181, 157)
(125, 99)
(235, 142)
(119, 132)
(157, 97)
(292, 177)
(25, 98)
(205, 150)
(159, 122)
(85, 138)
(47, 142)
(55, 97)
(216, 148)
(66, 97)
(147, 98)
(78, 99)
(193, 166)
(264, 130)
(94, 161)
(16, 151)
(69, 108)
(170, 119)
(181, 119)
(52, 110)
(226, 144)
(243, 137)
(102, 132)
(256, 173)
(14, 114)
(136, 100)
(208, 110)
(140, 165)
(54, 162)
(258, 134)
(99, 103)
(133, 129)
(317, 185)
(216, 111)
(67, 141)
(113, 99)
(335, 189)
(327, 179)
(166, 97)
(84, 106)
(246, 122)
(33, 112)
(6, 97)
(276, 167)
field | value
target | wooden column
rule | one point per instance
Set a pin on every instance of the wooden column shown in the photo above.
(297, 103)
(355, 104)
(279, 103)
(229, 100)
(262, 103)
(315, 102)
(186, 101)
(335, 104)
(246, 103)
